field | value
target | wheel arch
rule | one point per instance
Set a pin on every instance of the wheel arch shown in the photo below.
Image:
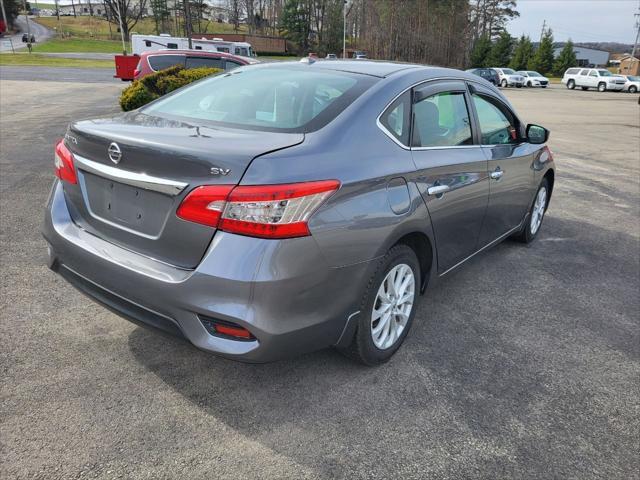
(421, 244)
(550, 176)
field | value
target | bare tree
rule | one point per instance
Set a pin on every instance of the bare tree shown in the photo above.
(128, 11)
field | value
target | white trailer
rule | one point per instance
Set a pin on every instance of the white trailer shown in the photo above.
(151, 43)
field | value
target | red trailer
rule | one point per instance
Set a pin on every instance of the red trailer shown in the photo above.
(125, 66)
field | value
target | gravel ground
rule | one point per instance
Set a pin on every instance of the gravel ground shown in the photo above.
(522, 364)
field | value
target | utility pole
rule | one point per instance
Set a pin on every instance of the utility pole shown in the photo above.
(57, 12)
(26, 16)
(544, 24)
(344, 30)
(187, 21)
(635, 45)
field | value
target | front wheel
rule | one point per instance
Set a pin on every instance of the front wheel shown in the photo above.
(536, 214)
(602, 87)
(387, 308)
(529, 84)
(633, 89)
(504, 83)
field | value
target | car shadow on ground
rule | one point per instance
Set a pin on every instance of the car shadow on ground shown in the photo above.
(508, 363)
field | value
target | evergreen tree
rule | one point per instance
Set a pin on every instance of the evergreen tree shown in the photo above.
(295, 23)
(500, 54)
(542, 61)
(480, 54)
(522, 54)
(565, 60)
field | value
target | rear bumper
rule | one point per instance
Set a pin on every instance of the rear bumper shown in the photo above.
(282, 291)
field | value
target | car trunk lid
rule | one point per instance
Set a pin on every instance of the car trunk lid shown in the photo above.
(135, 169)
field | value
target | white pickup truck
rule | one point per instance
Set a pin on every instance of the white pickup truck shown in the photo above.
(599, 78)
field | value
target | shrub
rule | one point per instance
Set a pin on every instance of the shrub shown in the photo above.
(153, 86)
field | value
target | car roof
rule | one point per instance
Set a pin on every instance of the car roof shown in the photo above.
(380, 69)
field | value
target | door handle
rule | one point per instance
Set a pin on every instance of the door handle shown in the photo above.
(438, 189)
(496, 174)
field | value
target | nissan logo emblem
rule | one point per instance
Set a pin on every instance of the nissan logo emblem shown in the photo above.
(115, 154)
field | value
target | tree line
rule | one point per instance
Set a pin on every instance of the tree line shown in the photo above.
(521, 54)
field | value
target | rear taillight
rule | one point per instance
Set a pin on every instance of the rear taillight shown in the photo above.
(266, 211)
(63, 161)
(205, 204)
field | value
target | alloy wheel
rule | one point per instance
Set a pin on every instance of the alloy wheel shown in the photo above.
(538, 210)
(392, 306)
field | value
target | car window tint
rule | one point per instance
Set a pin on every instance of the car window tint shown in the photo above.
(441, 120)
(593, 73)
(230, 65)
(584, 72)
(497, 124)
(199, 62)
(396, 118)
(272, 99)
(160, 62)
(572, 71)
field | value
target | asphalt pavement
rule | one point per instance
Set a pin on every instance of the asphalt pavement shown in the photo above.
(522, 364)
(60, 74)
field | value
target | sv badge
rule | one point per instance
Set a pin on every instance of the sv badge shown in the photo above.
(220, 171)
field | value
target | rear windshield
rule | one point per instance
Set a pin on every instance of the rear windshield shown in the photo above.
(272, 99)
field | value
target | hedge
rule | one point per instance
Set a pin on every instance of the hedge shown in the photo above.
(153, 86)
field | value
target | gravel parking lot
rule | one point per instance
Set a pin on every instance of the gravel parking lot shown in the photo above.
(523, 364)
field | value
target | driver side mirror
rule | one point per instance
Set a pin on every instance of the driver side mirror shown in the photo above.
(537, 134)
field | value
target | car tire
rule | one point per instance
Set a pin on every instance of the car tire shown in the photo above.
(584, 88)
(369, 346)
(544, 86)
(571, 84)
(538, 208)
(633, 89)
(504, 83)
(602, 87)
(529, 84)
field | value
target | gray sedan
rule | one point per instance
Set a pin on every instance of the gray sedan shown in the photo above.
(282, 208)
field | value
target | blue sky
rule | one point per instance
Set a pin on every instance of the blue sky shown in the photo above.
(580, 20)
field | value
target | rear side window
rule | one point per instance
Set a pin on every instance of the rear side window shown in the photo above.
(441, 120)
(230, 65)
(396, 118)
(199, 62)
(572, 71)
(160, 62)
(498, 125)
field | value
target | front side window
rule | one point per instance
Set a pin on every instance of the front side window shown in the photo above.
(396, 118)
(605, 73)
(160, 62)
(441, 120)
(272, 99)
(593, 73)
(498, 126)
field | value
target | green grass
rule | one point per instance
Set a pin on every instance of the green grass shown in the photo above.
(45, 61)
(78, 45)
(97, 27)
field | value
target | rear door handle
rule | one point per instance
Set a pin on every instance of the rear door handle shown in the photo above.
(496, 174)
(438, 189)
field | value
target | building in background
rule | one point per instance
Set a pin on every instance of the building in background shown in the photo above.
(587, 57)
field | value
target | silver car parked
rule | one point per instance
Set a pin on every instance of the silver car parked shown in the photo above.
(282, 208)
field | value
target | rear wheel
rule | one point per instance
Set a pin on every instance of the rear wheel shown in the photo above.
(536, 214)
(571, 84)
(602, 87)
(387, 308)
